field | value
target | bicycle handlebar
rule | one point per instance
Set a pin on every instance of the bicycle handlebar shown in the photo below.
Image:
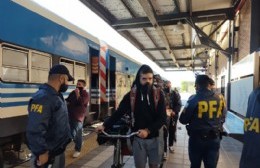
(120, 136)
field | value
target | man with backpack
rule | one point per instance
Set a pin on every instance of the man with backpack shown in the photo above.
(173, 107)
(145, 104)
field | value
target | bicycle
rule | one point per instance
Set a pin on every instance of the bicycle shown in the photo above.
(118, 155)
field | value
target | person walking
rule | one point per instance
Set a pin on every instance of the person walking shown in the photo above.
(48, 130)
(173, 107)
(147, 118)
(251, 151)
(77, 102)
(204, 115)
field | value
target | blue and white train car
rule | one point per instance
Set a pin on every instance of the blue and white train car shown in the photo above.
(33, 39)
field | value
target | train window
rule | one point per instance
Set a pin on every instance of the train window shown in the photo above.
(77, 69)
(15, 70)
(40, 67)
(41, 61)
(80, 72)
(20, 57)
(70, 65)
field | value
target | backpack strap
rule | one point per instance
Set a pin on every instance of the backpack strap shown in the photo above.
(132, 102)
(156, 96)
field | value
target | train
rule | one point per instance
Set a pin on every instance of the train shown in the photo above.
(30, 44)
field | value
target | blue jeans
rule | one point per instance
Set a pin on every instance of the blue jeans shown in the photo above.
(144, 149)
(76, 131)
(206, 150)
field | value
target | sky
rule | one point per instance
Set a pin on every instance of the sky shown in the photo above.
(78, 14)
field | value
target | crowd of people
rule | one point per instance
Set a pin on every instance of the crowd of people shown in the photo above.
(154, 108)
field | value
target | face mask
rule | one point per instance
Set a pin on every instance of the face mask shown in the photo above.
(63, 87)
(80, 88)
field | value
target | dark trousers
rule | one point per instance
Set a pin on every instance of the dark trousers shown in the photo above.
(206, 150)
(165, 136)
(172, 132)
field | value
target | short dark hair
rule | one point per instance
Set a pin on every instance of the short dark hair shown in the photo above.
(145, 69)
(202, 81)
(211, 81)
(82, 81)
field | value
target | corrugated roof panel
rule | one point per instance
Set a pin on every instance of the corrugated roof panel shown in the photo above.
(142, 37)
(135, 7)
(155, 37)
(156, 54)
(116, 8)
(201, 5)
(163, 6)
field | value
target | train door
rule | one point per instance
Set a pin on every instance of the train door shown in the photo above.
(94, 84)
(112, 84)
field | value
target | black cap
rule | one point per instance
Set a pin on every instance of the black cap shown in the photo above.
(61, 69)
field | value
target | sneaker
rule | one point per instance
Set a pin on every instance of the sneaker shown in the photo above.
(76, 154)
(171, 149)
(165, 156)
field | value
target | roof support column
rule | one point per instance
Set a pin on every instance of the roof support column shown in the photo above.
(230, 58)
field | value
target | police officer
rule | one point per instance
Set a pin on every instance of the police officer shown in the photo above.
(204, 115)
(251, 151)
(48, 130)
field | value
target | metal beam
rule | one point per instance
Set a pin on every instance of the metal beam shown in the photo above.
(187, 69)
(148, 9)
(172, 19)
(143, 24)
(136, 42)
(217, 27)
(183, 66)
(100, 10)
(177, 5)
(205, 39)
(181, 59)
(173, 48)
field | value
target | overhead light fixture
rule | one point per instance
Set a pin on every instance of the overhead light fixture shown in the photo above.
(179, 28)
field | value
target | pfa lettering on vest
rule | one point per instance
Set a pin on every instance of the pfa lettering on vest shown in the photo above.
(210, 108)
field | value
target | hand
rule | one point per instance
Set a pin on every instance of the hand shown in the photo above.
(43, 158)
(173, 114)
(143, 133)
(77, 91)
(99, 129)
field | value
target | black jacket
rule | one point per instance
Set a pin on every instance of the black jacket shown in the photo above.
(204, 112)
(145, 114)
(48, 124)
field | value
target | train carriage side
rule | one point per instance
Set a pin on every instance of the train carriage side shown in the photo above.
(29, 45)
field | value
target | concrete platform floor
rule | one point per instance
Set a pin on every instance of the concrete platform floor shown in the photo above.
(102, 156)
(94, 156)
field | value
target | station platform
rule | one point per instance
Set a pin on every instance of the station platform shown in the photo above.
(95, 156)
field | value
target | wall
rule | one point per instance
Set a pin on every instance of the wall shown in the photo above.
(244, 30)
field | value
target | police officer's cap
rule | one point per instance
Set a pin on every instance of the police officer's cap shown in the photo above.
(61, 69)
(202, 79)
